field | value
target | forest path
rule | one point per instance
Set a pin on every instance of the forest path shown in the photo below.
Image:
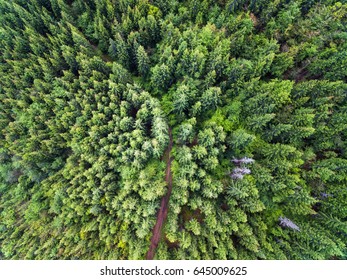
(162, 213)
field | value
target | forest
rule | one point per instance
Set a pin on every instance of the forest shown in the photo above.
(181, 129)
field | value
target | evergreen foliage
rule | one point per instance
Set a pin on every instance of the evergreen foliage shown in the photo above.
(254, 92)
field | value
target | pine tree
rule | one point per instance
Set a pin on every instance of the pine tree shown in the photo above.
(142, 61)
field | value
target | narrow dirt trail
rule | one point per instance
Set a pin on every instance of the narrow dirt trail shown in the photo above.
(162, 213)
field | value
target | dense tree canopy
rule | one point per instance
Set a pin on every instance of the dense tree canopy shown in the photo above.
(251, 94)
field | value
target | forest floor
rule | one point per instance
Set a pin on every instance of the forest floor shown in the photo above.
(162, 213)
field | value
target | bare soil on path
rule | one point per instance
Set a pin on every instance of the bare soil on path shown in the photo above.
(162, 213)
